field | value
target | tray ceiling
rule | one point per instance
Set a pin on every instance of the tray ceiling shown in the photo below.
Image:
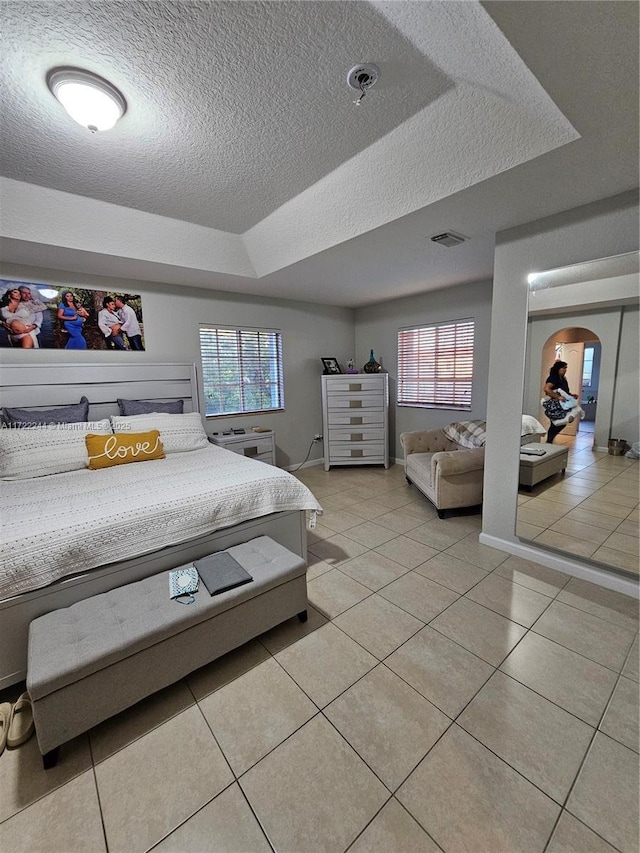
(242, 162)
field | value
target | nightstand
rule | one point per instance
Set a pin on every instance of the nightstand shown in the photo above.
(256, 445)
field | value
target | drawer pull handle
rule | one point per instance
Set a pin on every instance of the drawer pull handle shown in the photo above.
(355, 386)
(355, 421)
(357, 453)
(355, 404)
(356, 436)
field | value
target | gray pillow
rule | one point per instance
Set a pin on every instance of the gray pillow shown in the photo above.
(147, 407)
(74, 414)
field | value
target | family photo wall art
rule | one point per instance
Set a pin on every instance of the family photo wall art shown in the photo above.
(47, 316)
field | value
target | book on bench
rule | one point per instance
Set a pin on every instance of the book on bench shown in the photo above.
(221, 572)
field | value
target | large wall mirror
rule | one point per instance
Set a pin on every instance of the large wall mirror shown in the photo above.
(586, 315)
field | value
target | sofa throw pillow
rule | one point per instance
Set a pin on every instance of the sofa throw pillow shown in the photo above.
(178, 433)
(145, 407)
(73, 414)
(46, 449)
(104, 451)
(467, 433)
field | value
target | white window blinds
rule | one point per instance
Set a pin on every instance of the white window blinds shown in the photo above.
(241, 370)
(435, 365)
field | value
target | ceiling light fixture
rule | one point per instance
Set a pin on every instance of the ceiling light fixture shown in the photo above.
(90, 100)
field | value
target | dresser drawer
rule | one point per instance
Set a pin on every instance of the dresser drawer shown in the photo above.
(362, 400)
(356, 434)
(250, 446)
(261, 457)
(254, 445)
(357, 450)
(366, 418)
(357, 383)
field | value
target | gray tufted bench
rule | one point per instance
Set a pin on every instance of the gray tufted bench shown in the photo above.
(552, 459)
(92, 660)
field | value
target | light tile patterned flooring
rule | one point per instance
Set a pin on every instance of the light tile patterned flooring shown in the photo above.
(592, 511)
(442, 696)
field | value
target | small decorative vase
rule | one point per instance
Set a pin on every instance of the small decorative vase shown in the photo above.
(372, 365)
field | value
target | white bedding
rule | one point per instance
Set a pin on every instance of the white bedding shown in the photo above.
(531, 426)
(63, 524)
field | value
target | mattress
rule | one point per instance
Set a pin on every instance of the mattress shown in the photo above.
(62, 524)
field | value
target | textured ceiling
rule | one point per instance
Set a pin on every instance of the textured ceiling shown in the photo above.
(233, 107)
(243, 165)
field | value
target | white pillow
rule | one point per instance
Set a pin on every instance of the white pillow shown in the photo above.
(531, 426)
(178, 433)
(47, 449)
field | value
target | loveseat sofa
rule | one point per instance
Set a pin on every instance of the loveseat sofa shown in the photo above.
(447, 473)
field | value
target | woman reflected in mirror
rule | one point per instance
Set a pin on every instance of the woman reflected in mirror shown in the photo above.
(555, 384)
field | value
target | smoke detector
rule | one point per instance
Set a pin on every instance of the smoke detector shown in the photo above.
(448, 239)
(363, 76)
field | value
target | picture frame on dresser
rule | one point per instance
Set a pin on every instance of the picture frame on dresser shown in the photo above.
(331, 366)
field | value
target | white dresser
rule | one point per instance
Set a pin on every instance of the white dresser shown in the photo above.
(355, 419)
(257, 445)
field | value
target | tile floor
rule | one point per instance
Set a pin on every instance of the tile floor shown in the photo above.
(591, 511)
(442, 696)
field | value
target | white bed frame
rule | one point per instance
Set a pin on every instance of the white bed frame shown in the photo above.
(45, 386)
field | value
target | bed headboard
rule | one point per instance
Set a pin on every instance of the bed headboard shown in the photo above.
(35, 386)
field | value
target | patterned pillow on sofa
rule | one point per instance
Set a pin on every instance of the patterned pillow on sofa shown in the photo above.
(467, 433)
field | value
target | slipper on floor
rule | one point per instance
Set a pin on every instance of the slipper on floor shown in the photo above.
(21, 724)
(5, 716)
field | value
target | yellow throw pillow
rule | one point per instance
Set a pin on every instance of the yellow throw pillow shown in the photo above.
(107, 450)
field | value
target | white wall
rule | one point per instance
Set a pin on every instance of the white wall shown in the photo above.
(626, 408)
(605, 228)
(171, 318)
(377, 328)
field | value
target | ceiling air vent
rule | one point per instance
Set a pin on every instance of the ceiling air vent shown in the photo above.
(448, 239)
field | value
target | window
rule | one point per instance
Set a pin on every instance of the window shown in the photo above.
(435, 365)
(587, 366)
(241, 370)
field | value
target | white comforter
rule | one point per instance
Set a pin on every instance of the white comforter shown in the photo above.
(63, 524)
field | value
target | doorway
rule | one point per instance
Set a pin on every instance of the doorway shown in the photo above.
(581, 349)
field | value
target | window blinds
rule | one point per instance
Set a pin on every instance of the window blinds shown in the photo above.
(435, 365)
(241, 370)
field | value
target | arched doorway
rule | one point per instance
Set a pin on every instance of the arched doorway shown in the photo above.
(580, 348)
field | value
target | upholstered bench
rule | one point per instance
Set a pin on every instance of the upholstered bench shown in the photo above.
(539, 461)
(92, 660)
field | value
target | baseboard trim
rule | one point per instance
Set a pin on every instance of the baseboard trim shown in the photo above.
(310, 464)
(627, 586)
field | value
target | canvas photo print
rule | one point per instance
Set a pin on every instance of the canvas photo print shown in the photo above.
(46, 316)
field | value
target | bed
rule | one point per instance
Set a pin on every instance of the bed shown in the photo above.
(71, 535)
(531, 431)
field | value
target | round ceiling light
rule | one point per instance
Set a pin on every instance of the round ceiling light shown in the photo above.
(90, 100)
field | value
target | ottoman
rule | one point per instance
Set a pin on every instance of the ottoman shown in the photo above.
(92, 660)
(539, 461)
